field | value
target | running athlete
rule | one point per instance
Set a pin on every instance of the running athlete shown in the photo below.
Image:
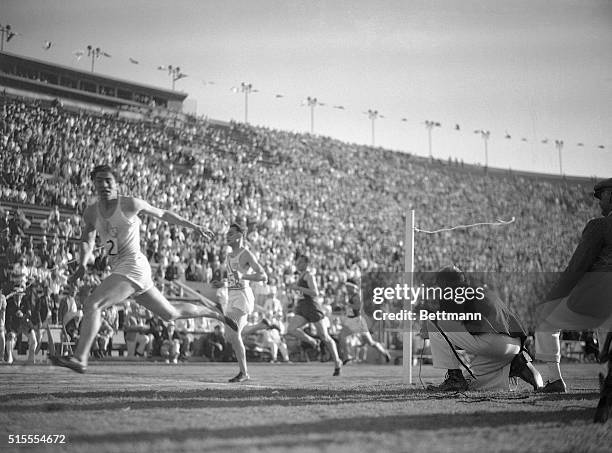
(115, 218)
(241, 301)
(309, 311)
(354, 323)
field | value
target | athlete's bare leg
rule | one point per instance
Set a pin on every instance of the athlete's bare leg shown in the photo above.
(32, 346)
(117, 288)
(38, 333)
(10, 345)
(344, 345)
(2, 344)
(155, 301)
(367, 337)
(329, 342)
(295, 328)
(113, 290)
(254, 328)
(235, 338)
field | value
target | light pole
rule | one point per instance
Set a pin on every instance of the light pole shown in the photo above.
(10, 34)
(246, 88)
(312, 102)
(430, 125)
(485, 137)
(175, 74)
(559, 145)
(94, 54)
(373, 115)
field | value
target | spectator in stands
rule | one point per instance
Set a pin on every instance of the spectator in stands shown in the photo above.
(136, 338)
(272, 340)
(217, 348)
(14, 317)
(105, 333)
(38, 310)
(2, 325)
(272, 306)
(57, 282)
(171, 343)
(72, 323)
(112, 317)
(68, 305)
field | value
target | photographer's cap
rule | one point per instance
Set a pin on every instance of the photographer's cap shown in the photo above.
(601, 186)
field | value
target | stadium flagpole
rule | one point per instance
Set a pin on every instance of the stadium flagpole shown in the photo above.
(409, 269)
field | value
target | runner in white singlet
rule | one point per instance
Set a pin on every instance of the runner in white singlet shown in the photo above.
(354, 323)
(116, 220)
(120, 237)
(242, 267)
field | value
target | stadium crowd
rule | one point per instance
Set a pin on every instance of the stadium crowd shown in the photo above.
(342, 204)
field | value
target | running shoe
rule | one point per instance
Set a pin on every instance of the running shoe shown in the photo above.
(68, 362)
(240, 377)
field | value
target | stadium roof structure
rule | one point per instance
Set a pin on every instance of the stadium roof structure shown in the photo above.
(46, 78)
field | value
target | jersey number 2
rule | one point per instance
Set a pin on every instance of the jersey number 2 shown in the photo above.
(112, 248)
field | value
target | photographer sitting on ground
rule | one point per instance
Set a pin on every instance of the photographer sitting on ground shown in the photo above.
(171, 343)
(495, 340)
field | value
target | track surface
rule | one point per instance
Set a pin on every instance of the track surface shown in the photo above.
(145, 407)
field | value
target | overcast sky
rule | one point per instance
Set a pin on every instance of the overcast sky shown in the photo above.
(534, 69)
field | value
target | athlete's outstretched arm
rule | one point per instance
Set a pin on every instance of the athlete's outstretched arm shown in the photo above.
(170, 217)
(88, 242)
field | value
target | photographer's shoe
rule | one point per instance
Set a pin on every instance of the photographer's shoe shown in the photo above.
(557, 386)
(522, 368)
(454, 382)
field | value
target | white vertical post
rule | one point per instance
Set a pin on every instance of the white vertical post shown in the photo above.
(409, 269)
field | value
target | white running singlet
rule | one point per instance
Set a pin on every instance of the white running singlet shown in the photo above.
(120, 238)
(240, 295)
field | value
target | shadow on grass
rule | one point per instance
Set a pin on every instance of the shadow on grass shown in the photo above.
(196, 399)
(378, 424)
(569, 396)
(235, 392)
(244, 397)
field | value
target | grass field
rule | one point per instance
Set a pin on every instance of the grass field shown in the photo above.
(154, 407)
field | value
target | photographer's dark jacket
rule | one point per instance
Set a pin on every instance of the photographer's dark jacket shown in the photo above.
(496, 316)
